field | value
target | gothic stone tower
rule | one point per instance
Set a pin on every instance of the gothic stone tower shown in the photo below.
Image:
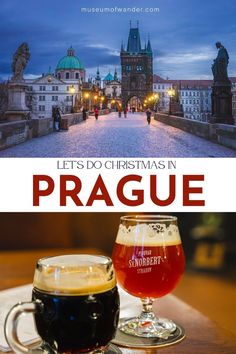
(137, 68)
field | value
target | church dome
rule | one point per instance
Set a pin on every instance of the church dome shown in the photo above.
(109, 77)
(70, 62)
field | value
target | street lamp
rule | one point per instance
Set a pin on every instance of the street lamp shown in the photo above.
(113, 103)
(156, 99)
(102, 100)
(95, 97)
(86, 96)
(72, 91)
(171, 93)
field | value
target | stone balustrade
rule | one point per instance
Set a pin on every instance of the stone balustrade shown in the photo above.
(223, 134)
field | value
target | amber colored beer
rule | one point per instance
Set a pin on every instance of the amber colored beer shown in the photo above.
(148, 271)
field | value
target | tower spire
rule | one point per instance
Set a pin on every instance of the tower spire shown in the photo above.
(134, 41)
(115, 75)
(98, 74)
(149, 47)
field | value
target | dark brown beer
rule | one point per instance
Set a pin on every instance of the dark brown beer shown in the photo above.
(77, 323)
(78, 302)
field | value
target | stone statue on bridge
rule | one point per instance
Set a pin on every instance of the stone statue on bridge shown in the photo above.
(221, 89)
(220, 65)
(19, 63)
(17, 109)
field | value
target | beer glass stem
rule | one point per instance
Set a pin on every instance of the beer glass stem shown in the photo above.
(147, 318)
(147, 311)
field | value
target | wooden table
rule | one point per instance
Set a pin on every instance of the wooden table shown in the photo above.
(203, 336)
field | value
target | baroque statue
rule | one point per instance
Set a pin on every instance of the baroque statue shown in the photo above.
(220, 65)
(19, 63)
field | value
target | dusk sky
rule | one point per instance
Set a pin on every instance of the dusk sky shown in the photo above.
(182, 34)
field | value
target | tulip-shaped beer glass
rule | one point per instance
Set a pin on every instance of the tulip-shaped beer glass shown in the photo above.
(149, 260)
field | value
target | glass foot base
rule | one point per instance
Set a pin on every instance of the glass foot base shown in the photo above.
(135, 341)
(156, 328)
(111, 349)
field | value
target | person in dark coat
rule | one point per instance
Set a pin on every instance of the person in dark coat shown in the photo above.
(56, 118)
(149, 114)
(84, 113)
(125, 112)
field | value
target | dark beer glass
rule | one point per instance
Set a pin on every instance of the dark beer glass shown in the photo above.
(75, 303)
(149, 261)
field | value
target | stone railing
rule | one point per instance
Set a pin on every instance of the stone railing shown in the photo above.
(42, 126)
(71, 119)
(223, 134)
(14, 133)
(75, 118)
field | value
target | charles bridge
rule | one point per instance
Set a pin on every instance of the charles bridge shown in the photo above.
(18, 127)
(111, 136)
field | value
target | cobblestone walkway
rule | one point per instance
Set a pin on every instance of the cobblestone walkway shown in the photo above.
(111, 136)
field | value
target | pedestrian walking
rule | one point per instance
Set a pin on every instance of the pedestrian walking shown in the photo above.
(119, 112)
(84, 113)
(54, 117)
(125, 112)
(149, 114)
(57, 118)
(96, 112)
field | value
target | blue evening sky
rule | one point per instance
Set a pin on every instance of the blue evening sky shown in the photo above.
(182, 34)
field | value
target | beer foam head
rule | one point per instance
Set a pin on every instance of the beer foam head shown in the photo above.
(148, 234)
(74, 275)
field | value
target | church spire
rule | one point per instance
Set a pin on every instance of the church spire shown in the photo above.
(115, 75)
(98, 75)
(149, 47)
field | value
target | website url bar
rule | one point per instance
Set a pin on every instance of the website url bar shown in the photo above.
(116, 9)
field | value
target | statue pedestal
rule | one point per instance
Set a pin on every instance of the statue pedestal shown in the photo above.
(175, 108)
(222, 103)
(17, 109)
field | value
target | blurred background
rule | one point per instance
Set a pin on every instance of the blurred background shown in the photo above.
(209, 240)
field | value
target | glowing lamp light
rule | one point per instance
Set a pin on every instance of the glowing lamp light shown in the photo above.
(86, 95)
(171, 92)
(72, 90)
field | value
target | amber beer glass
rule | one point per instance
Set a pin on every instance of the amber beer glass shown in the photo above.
(149, 261)
(75, 303)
